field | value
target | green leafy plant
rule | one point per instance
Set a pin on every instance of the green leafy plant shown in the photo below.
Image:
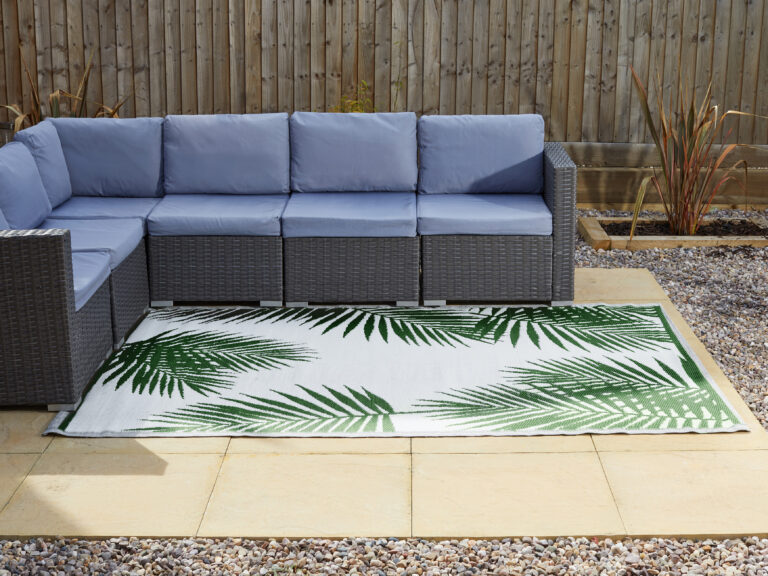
(204, 362)
(59, 100)
(691, 174)
(359, 100)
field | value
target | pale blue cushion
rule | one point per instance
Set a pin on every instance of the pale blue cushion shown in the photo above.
(117, 237)
(23, 200)
(350, 214)
(4, 223)
(353, 152)
(481, 154)
(113, 156)
(43, 141)
(97, 208)
(217, 215)
(227, 154)
(89, 271)
(491, 214)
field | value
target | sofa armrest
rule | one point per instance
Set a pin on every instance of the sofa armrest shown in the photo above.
(37, 307)
(560, 196)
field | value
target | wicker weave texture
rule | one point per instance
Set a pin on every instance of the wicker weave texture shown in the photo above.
(48, 352)
(351, 270)
(560, 196)
(487, 268)
(129, 286)
(216, 268)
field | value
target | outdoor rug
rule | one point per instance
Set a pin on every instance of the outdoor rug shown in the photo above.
(381, 371)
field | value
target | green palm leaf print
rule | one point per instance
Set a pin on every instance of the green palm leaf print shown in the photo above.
(203, 362)
(312, 412)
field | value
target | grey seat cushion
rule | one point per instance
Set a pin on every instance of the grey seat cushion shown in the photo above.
(89, 271)
(479, 214)
(98, 208)
(118, 237)
(217, 215)
(481, 154)
(43, 142)
(350, 214)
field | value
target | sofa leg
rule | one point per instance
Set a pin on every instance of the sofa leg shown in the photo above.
(407, 303)
(270, 303)
(63, 407)
(161, 303)
(434, 302)
(561, 303)
(296, 304)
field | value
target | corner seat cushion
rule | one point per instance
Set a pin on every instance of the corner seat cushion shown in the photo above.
(113, 156)
(484, 214)
(333, 152)
(118, 237)
(481, 154)
(227, 154)
(23, 199)
(351, 215)
(43, 142)
(217, 215)
(89, 270)
(99, 208)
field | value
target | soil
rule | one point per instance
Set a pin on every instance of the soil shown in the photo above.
(730, 227)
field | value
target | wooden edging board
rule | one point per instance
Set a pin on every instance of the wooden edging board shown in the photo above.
(593, 233)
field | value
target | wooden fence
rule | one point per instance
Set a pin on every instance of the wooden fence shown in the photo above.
(566, 59)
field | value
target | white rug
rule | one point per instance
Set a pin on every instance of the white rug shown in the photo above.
(381, 371)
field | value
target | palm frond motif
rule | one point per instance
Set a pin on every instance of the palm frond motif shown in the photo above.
(582, 395)
(204, 362)
(610, 328)
(410, 325)
(312, 412)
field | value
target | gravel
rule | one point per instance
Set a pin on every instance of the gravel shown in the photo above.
(721, 292)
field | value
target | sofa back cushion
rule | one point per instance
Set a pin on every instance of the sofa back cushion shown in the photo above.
(23, 200)
(113, 156)
(353, 152)
(227, 154)
(3, 222)
(483, 154)
(44, 144)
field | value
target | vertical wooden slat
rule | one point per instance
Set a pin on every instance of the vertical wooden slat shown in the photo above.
(704, 51)
(59, 63)
(220, 57)
(92, 46)
(640, 57)
(333, 54)
(496, 48)
(28, 50)
(269, 50)
(750, 70)
(157, 80)
(761, 108)
(720, 51)
(464, 44)
(624, 83)
(179, 50)
(317, 55)
(734, 76)
(545, 47)
(382, 54)
(125, 85)
(415, 54)
(108, 46)
(75, 50)
(529, 56)
(13, 72)
(237, 19)
(579, 21)
(512, 57)
(203, 51)
(4, 114)
(479, 57)
(672, 52)
(285, 55)
(43, 52)
(301, 57)
(366, 30)
(448, 57)
(399, 70)
(253, 41)
(656, 61)
(558, 122)
(349, 48)
(690, 42)
(140, 48)
(610, 70)
(188, 56)
(592, 70)
(431, 82)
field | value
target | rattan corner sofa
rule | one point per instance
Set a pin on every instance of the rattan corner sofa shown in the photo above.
(101, 217)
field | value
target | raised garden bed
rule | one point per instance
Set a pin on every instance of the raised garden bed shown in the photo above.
(612, 233)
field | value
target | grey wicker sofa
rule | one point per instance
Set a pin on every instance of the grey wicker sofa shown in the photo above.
(99, 218)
